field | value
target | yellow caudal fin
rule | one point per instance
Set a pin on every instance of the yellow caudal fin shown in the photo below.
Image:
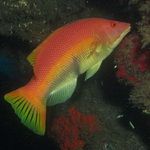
(29, 109)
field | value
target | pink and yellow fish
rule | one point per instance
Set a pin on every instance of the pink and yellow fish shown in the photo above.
(74, 49)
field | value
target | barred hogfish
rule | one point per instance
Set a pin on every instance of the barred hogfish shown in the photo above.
(74, 49)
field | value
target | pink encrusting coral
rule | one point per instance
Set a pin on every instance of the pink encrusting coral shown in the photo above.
(143, 61)
(134, 67)
(123, 74)
(69, 129)
(132, 62)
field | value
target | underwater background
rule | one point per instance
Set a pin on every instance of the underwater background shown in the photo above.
(110, 111)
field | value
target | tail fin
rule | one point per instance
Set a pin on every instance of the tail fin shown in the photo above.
(29, 109)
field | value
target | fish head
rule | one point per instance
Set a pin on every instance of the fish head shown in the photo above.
(111, 33)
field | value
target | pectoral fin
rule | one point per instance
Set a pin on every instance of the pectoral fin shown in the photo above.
(90, 72)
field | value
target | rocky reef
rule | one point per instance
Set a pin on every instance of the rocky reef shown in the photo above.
(133, 62)
(133, 65)
(143, 10)
(140, 96)
(33, 20)
(113, 126)
(72, 129)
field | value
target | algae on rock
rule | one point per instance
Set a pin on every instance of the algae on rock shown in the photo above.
(143, 9)
(33, 20)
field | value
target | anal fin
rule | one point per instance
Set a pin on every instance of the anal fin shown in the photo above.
(63, 91)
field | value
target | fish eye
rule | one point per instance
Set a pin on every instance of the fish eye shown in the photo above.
(113, 24)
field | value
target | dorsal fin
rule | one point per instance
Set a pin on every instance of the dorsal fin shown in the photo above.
(32, 57)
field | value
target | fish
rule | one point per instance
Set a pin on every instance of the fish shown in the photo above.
(71, 50)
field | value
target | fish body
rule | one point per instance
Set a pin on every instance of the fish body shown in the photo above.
(74, 49)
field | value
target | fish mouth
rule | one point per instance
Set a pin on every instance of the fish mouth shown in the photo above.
(122, 35)
(125, 33)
